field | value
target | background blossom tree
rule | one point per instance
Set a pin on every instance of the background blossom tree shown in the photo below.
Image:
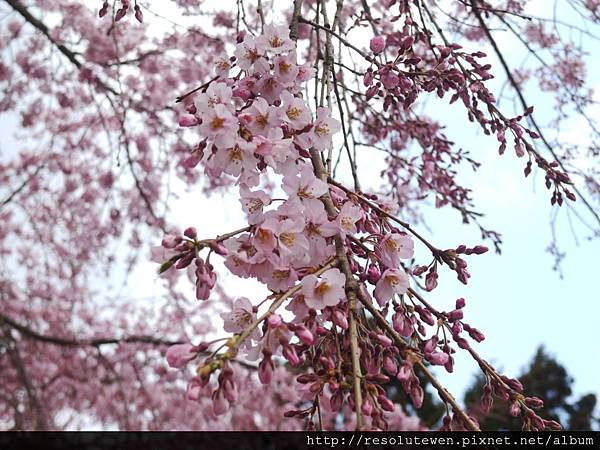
(278, 104)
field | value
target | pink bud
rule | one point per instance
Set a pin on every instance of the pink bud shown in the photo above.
(190, 233)
(419, 270)
(305, 335)
(389, 364)
(265, 370)
(515, 384)
(480, 249)
(431, 281)
(457, 328)
(242, 93)
(474, 333)
(377, 44)
(219, 404)
(339, 318)
(417, 394)
(486, 399)
(553, 425)
(188, 120)
(430, 344)
(455, 315)
(385, 403)
(514, 409)
(437, 358)
(373, 274)
(520, 150)
(367, 407)
(274, 320)
(534, 402)
(138, 14)
(120, 14)
(460, 303)
(425, 315)
(194, 389)
(180, 354)
(382, 339)
(289, 352)
(404, 373)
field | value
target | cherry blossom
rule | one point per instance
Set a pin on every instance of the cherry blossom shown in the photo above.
(288, 110)
(327, 290)
(323, 129)
(392, 281)
(394, 247)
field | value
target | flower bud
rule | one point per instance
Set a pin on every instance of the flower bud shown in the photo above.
(514, 409)
(180, 354)
(389, 364)
(480, 249)
(437, 358)
(377, 44)
(385, 403)
(190, 233)
(194, 389)
(455, 315)
(188, 120)
(274, 320)
(242, 93)
(265, 370)
(220, 406)
(289, 353)
(534, 402)
(305, 335)
(339, 318)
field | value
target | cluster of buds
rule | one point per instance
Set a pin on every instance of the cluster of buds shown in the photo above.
(122, 11)
(183, 250)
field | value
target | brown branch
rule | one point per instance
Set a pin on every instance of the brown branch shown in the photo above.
(18, 190)
(193, 91)
(295, 19)
(92, 342)
(41, 26)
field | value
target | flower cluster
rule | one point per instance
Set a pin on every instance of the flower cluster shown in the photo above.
(318, 246)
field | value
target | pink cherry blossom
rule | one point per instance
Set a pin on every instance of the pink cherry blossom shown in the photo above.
(275, 40)
(392, 281)
(347, 218)
(241, 315)
(294, 111)
(253, 203)
(247, 53)
(377, 44)
(286, 69)
(220, 125)
(216, 94)
(394, 247)
(328, 290)
(307, 187)
(323, 129)
(179, 355)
